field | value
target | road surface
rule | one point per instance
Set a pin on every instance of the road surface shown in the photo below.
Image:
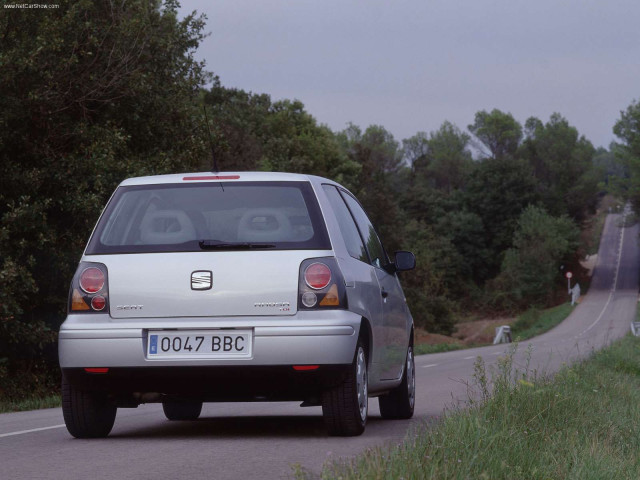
(245, 441)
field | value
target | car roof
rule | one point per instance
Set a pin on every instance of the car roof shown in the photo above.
(225, 177)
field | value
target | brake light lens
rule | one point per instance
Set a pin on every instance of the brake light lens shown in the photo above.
(212, 177)
(89, 289)
(98, 303)
(321, 285)
(91, 280)
(317, 276)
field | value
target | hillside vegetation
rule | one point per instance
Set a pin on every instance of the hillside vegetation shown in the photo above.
(95, 92)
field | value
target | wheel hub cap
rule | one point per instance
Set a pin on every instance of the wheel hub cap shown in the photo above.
(361, 376)
(411, 378)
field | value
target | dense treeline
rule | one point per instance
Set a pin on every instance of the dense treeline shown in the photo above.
(91, 93)
(95, 92)
(489, 232)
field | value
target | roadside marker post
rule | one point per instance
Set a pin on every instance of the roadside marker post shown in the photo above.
(503, 335)
(575, 294)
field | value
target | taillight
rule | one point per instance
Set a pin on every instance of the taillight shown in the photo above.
(98, 303)
(212, 177)
(91, 280)
(317, 276)
(321, 285)
(89, 289)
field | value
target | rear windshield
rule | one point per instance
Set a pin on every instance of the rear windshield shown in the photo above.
(210, 216)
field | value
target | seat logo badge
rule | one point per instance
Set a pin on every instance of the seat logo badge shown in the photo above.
(201, 280)
(129, 307)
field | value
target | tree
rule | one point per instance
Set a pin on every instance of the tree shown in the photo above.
(236, 122)
(466, 232)
(250, 132)
(498, 191)
(608, 165)
(444, 160)
(562, 161)
(415, 150)
(380, 160)
(627, 128)
(441, 166)
(427, 287)
(92, 92)
(497, 131)
(531, 267)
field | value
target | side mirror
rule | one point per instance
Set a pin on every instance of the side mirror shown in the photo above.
(403, 261)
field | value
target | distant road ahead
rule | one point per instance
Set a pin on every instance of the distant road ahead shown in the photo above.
(243, 441)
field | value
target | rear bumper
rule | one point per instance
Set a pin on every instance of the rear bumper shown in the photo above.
(308, 338)
(218, 383)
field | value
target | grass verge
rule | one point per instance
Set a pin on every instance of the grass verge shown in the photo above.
(423, 348)
(30, 404)
(535, 322)
(528, 324)
(583, 424)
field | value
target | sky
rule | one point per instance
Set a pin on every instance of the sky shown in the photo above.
(409, 65)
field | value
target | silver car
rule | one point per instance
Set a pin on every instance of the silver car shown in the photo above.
(236, 287)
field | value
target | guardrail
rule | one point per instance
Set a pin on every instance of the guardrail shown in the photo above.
(635, 328)
(503, 335)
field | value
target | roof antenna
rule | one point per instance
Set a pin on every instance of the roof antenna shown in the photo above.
(213, 156)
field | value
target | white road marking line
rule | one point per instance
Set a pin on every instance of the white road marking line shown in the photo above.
(430, 365)
(613, 289)
(10, 434)
(469, 358)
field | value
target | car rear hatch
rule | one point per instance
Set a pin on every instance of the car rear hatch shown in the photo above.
(204, 284)
(207, 249)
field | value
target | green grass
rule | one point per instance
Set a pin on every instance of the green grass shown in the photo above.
(29, 404)
(582, 424)
(598, 226)
(441, 347)
(535, 322)
(529, 324)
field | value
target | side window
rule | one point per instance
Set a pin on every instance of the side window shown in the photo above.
(348, 228)
(374, 246)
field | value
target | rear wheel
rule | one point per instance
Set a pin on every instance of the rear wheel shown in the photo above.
(345, 407)
(177, 410)
(400, 402)
(87, 414)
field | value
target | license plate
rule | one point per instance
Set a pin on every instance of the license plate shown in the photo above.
(199, 344)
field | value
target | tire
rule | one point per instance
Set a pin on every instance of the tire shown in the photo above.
(87, 414)
(345, 407)
(181, 410)
(400, 402)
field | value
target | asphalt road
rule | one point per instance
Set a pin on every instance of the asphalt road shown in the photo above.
(244, 441)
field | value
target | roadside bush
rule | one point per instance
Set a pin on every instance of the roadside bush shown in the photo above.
(531, 267)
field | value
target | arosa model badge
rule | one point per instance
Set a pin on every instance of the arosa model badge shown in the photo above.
(201, 280)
